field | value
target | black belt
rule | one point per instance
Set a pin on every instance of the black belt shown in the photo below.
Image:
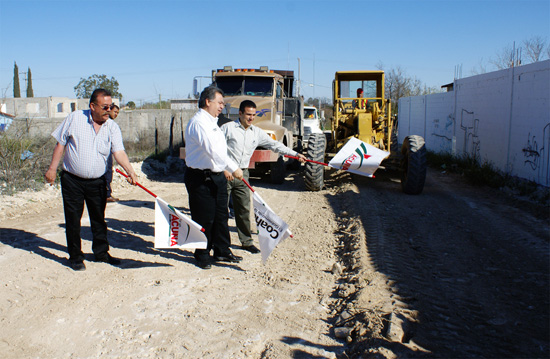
(206, 172)
(80, 178)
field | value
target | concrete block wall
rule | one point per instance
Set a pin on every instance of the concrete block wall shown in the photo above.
(135, 125)
(502, 117)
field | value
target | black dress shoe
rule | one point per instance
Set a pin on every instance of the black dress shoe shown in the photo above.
(251, 248)
(230, 257)
(108, 259)
(204, 264)
(78, 265)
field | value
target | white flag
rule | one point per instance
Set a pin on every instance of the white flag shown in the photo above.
(174, 229)
(358, 157)
(271, 228)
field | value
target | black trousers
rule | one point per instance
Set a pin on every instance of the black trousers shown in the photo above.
(76, 191)
(208, 204)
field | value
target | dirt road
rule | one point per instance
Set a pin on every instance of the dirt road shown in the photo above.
(455, 272)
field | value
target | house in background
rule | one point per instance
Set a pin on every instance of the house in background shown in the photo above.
(44, 107)
(5, 121)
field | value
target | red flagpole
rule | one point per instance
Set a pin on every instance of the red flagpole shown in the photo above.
(248, 185)
(137, 184)
(312, 161)
(146, 190)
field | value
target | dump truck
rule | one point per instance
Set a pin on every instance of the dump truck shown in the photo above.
(278, 112)
(361, 110)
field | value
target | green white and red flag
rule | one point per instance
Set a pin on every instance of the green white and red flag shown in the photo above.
(358, 157)
(174, 229)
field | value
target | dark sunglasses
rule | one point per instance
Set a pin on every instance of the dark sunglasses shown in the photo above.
(105, 107)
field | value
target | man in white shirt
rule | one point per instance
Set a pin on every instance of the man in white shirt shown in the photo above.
(206, 159)
(242, 139)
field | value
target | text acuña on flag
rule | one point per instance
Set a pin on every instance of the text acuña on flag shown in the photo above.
(174, 229)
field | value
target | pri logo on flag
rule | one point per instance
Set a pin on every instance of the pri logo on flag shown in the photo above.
(358, 157)
(361, 154)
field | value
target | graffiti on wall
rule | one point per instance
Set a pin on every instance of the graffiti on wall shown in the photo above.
(470, 125)
(443, 133)
(537, 155)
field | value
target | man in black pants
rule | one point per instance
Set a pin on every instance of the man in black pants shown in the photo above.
(87, 137)
(206, 159)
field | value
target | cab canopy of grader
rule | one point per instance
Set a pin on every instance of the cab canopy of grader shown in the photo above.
(360, 109)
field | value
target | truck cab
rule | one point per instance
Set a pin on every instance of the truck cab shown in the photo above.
(312, 122)
(278, 112)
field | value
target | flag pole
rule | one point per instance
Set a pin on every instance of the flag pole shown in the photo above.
(248, 185)
(312, 161)
(137, 184)
(151, 193)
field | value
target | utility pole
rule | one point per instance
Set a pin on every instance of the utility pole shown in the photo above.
(313, 76)
(298, 88)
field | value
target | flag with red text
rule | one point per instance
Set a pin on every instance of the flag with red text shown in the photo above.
(358, 157)
(174, 229)
(271, 228)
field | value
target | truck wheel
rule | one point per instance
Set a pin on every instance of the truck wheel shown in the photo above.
(314, 173)
(278, 171)
(413, 165)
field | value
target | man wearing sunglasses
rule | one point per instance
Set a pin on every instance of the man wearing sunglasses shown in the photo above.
(85, 139)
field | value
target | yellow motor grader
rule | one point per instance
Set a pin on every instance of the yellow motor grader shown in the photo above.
(361, 110)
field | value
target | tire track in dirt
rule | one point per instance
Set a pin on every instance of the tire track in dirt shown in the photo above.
(466, 280)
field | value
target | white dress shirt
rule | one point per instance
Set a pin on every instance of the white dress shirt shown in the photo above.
(205, 146)
(241, 143)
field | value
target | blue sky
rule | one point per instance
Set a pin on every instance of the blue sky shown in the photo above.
(156, 48)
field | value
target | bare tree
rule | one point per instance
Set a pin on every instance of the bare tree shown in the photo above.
(534, 48)
(505, 58)
(481, 68)
(398, 84)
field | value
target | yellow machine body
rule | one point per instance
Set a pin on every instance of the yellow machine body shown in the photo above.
(367, 117)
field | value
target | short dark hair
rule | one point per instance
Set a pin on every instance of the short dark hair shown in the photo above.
(210, 94)
(99, 92)
(115, 106)
(245, 104)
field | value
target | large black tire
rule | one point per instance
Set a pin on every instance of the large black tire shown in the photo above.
(413, 165)
(314, 176)
(278, 171)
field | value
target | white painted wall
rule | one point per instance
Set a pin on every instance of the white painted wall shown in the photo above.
(502, 117)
